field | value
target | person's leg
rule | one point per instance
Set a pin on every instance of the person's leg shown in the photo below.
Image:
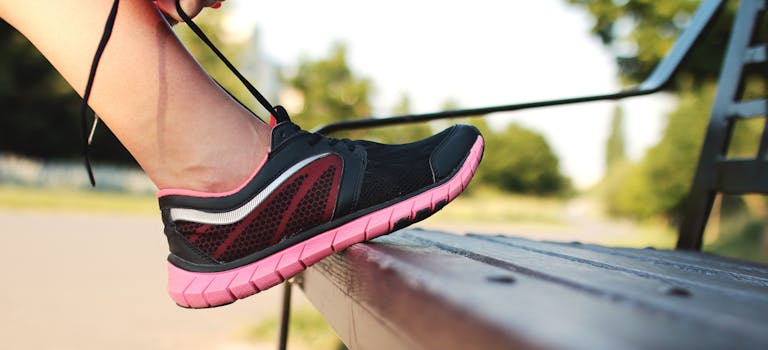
(148, 90)
(311, 197)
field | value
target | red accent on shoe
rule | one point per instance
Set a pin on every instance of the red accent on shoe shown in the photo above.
(272, 121)
(304, 200)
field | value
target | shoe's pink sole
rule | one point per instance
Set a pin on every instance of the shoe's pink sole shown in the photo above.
(208, 289)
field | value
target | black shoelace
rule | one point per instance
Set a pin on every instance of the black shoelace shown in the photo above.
(89, 86)
(87, 137)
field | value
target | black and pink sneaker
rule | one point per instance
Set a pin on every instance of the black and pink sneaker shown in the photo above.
(311, 196)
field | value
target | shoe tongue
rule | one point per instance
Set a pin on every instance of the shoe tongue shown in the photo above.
(278, 116)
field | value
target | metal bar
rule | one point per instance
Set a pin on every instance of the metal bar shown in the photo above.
(659, 78)
(756, 54)
(472, 112)
(743, 176)
(763, 148)
(749, 109)
(285, 316)
(704, 188)
(704, 15)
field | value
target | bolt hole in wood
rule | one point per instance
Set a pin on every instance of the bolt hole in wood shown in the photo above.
(675, 291)
(503, 279)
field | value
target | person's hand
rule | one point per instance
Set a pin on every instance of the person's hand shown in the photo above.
(190, 7)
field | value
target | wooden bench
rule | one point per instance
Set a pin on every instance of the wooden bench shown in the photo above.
(419, 289)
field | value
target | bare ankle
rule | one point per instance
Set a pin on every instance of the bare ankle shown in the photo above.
(217, 165)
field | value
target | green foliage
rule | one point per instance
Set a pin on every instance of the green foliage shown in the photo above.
(38, 198)
(659, 183)
(641, 32)
(516, 160)
(307, 329)
(39, 112)
(740, 231)
(520, 160)
(330, 90)
(614, 148)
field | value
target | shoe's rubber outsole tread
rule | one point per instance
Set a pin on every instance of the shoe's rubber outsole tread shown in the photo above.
(209, 289)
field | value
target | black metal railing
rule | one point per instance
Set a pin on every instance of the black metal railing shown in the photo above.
(656, 81)
(716, 173)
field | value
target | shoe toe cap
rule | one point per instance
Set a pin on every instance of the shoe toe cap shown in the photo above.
(451, 152)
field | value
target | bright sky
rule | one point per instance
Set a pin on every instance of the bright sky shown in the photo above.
(487, 52)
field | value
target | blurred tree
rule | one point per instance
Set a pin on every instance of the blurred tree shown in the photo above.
(659, 183)
(614, 147)
(640, 32)
(516, 159)
(39, 110)
(520, 160)
(330, 90)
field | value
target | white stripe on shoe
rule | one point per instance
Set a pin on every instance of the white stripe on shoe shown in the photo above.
(229, 217)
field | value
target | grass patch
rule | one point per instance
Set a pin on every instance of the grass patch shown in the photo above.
(494, 207)
(657, 235)
(745, 243)
(26, 198)
(307, 330)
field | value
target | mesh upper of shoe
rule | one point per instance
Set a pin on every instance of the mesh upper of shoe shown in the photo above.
(393, 171)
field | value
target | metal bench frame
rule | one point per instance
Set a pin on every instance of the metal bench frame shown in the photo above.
(715, 173)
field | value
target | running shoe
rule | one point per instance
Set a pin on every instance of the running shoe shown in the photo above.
(310, 197)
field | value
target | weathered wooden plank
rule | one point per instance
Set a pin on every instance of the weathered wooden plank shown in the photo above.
(601, 276)
(716, 281)
(738, 269)
(376, 298)
(422, 290)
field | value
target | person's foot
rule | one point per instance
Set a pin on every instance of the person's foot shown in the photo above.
(312, 196)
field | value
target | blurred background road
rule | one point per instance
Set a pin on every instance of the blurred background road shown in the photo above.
(97, 281)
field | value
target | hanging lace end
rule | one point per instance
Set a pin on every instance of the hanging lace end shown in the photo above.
(86, 152)
(88, 137)
(89, 169)
(93, 129)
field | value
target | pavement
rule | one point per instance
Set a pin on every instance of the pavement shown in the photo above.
(97, 281)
